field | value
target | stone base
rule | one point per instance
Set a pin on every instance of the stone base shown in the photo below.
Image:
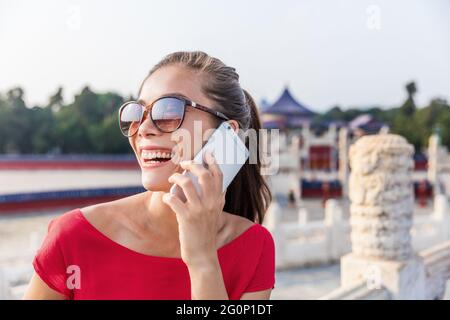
(404, 279)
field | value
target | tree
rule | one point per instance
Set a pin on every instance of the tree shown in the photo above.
(19, 127)
(409, 107)
(56, 101)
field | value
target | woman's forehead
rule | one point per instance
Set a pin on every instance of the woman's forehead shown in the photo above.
(173, 79)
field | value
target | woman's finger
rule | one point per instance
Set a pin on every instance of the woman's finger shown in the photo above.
(204, 176)
(186, 184)
(215, 170)
(174, 203)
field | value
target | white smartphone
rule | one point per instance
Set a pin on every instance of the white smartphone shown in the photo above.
(230, 154)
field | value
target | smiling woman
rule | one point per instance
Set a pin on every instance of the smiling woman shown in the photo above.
(153, 245)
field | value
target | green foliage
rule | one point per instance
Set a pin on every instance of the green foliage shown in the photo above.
(89, 124)
(415, 124)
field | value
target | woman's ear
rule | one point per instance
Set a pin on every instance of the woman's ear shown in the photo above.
(234, 124)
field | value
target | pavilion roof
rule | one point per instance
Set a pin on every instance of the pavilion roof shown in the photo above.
(287, 105)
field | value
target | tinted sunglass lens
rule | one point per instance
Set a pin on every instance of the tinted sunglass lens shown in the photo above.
(167, 114)
(130, 118)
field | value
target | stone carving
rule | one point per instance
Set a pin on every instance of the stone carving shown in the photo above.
(381, 197)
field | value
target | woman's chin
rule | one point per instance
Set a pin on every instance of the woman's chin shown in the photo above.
(155, 183)
(156, 178)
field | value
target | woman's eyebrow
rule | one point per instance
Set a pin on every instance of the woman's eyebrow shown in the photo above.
(176, 94)
(172, 94)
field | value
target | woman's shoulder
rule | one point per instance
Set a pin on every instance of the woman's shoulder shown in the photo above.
(252, 232)
(75, 219)
(115, 206)
(67, 222)
(104, 215)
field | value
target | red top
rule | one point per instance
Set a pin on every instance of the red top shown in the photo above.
(79, 261)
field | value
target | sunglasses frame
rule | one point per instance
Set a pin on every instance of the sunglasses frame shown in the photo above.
(148, 108)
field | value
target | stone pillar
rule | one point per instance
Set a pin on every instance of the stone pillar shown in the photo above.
(381, 213)
(333, 212)
(302, 216)
(433, 166)
(297, 173)
(337, 236)
(441, 208)
(273, 216)
(333, 139)
(272, 221)
(306, 136)
(343, 160)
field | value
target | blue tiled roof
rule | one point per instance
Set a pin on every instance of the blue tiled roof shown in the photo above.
(287, 105)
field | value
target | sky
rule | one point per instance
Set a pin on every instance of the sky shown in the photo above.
(351, 53)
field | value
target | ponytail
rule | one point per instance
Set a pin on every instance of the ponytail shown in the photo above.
(249, 195)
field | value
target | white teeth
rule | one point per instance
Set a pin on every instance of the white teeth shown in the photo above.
(149, 155)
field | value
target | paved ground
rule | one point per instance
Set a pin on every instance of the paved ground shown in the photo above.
(20, 235)
(306, 283)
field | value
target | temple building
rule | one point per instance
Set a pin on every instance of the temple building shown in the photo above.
(286, 113)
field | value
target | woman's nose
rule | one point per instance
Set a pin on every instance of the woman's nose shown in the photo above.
(147, 128)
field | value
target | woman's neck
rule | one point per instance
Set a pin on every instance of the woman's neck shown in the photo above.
(155, 215)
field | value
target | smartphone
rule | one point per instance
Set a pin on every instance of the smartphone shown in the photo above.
(229, 151)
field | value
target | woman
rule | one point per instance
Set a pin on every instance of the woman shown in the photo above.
(153, 245)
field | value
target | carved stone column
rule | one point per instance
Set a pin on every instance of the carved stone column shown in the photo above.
(381, 215)
(381, 195)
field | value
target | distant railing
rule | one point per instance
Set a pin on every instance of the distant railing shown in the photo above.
(68, 161)
(48, 199)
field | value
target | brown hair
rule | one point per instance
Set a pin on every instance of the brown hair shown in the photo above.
(248, 195)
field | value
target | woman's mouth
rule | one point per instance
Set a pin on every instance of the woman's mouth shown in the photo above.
(155, 158)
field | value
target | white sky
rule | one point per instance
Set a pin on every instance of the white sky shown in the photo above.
(329, 52)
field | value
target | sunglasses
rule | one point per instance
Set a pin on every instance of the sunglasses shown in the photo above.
(166, 113)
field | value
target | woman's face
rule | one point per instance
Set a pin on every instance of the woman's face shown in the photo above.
(170, 80)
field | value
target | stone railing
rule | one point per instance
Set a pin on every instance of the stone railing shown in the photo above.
(436, 262)
(359, 291)
(437, 269)
(429, 230)
(306, 243)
